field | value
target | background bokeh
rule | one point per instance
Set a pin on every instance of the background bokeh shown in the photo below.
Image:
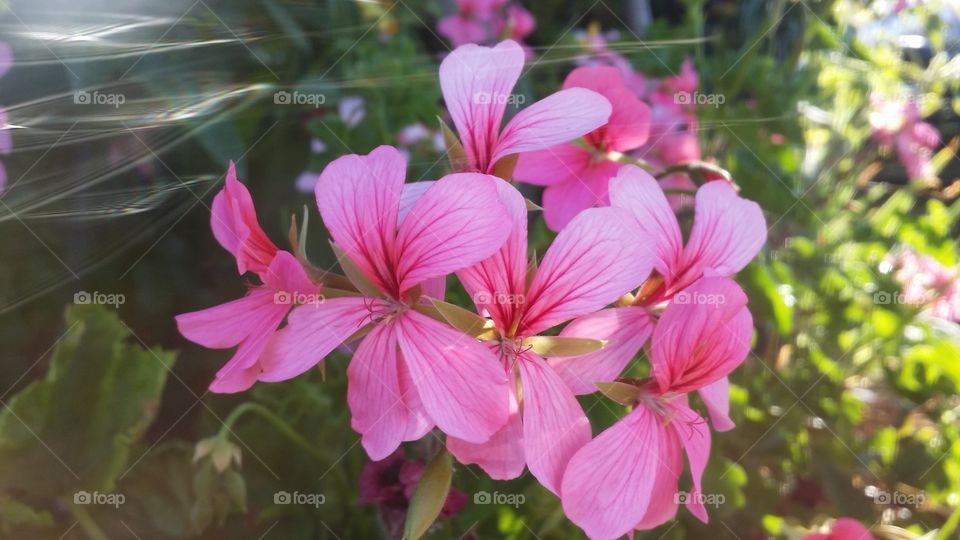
(124, 115)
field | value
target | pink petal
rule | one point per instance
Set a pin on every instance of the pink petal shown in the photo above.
(497, 284)
(234, 223)
(558, 118)
(313, 331)
(702, 336)
(460, 382)
(597, 258)
(248, 322)
(476, 82)
(848, 529)
(635, 190)
(551, 166)
(418, 422)
(716, 396)
(285, 273)
(629, 124)
(411, 193)
(377, 407)
(359, 197)
(563, 201)
(460, 30)
(554, 425)
(727, 231)
(502, 456)
(607, 487)
(626, 329)
(458, 222)
(226, 325)
(694, 435)
(664, 503)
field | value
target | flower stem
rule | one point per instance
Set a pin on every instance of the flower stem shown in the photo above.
(279, 423)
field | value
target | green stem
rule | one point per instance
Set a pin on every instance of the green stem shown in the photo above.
(950, 525)
(279, 423)
(86, 522)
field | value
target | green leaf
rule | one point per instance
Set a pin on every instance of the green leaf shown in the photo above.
(354, 274)
(462, 319)
(428, 498)
(557, 346)
(455, 151)
(73, 429)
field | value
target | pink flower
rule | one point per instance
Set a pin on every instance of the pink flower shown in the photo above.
(461, 29)
(900, 126)
(727, 233)
(593, 261)
(576, 175)
(410, 372)
(250, 322)
(476, 83)
(926, 283)
(843, 529)
(6, 140)
(627, 477)
(518, 23)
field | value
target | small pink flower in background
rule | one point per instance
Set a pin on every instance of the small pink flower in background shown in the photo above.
(485, 22)
(443, 377)
(899, 125)
(598, 257)
(576, 174)
(352, 110)
(843, 529)
(477, 82)
(598, 53)
(250, 322)
(6, 138)
(727, 233)
(390, 484)
(627, 477)
(926, 283)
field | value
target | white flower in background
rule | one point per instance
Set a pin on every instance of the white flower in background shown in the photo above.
(352, 110)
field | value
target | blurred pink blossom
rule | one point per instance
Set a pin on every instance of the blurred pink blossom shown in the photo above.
(898, 124)
(927, 283)
(843, 529)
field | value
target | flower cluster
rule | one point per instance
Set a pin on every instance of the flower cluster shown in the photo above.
(501, 380)
(898, 124)
(486, 21)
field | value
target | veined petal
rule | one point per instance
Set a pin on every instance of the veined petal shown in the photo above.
(607, 487)
(702, 336)
(456, 223)
(558, 118)
(286, 274)
(460, 381)
(554, 425)
(312, 332)
(233, 220)
(625, 328)
(498, 284)
(359, 199)
(476, 82)
(226, 325)
(377, 407)
(694, 435)
(727, 230)
(595, 260)
(629, 124)
(716, 396)
(502, 456)
(635, 190)
(553, 165)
